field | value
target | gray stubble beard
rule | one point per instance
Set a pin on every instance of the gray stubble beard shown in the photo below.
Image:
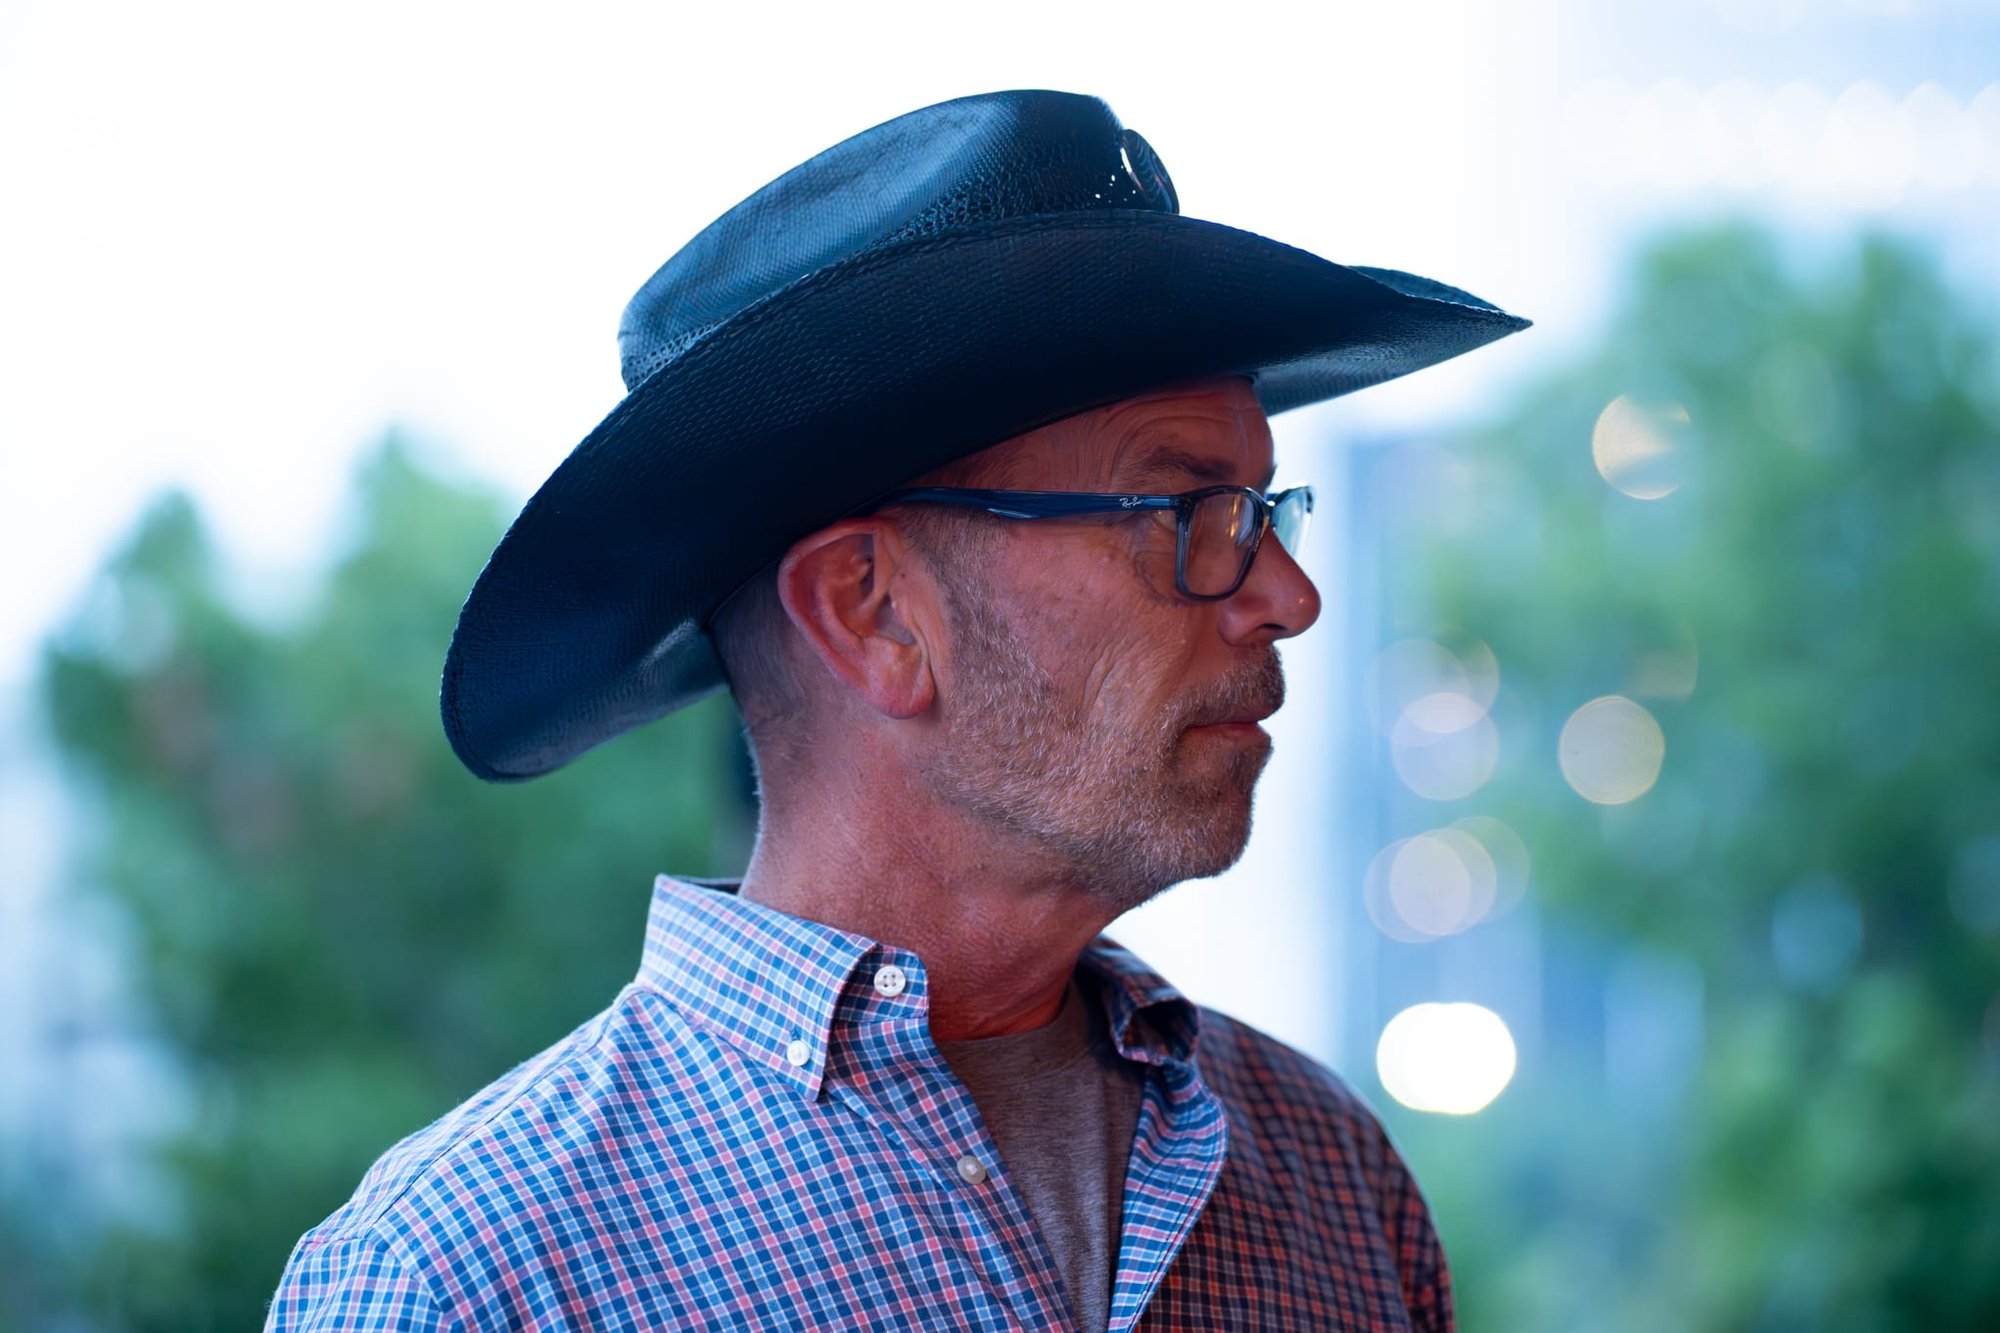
(1113, 809)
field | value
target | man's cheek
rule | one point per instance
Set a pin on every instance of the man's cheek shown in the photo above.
(1129, 689)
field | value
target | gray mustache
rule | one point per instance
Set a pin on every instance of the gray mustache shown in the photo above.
(1259, 691)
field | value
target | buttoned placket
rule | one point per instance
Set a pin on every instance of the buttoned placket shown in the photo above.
(1176, 1160)
(848, 1032)
(883, 1072)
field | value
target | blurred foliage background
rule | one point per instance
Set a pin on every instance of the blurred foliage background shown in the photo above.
(1784, 549)
(338, 935)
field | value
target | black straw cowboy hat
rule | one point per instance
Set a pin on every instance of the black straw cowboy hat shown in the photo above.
(927, 288)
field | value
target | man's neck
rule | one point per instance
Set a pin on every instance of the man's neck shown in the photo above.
(998, 946)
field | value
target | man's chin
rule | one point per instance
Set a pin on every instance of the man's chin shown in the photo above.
(1218, 840)
(1173, 857)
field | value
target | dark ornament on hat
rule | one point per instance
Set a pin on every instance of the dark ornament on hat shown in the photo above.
(929, 287)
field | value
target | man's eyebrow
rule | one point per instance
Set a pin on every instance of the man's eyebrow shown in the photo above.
(1169, 462)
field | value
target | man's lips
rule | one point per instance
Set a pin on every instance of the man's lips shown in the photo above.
(1240, 716)
(1238, 707)
(1244, 726)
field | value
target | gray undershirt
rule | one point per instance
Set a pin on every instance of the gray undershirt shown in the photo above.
(1062, 1106)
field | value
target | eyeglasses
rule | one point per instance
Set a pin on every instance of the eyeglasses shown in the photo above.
(1218, 527)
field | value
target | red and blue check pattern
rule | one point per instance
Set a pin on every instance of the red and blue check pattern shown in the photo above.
(755, 1136)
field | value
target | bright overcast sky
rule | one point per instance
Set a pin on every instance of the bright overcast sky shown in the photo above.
(246, 238)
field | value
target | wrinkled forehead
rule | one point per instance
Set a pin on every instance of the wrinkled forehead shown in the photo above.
(1205, 433)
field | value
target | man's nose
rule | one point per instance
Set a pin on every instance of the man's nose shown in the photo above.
(1276, 601)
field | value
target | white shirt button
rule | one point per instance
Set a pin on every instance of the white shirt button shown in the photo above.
(798, 1052)
(890, 980)
(971, 1169)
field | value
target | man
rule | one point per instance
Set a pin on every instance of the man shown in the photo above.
(948, 450)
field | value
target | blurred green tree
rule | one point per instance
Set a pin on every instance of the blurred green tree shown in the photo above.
(1783, 541)
(338, 933)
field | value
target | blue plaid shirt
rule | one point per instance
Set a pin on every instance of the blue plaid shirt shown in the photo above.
(760, 1133)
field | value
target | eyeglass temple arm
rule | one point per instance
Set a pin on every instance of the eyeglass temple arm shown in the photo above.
(1031, 504)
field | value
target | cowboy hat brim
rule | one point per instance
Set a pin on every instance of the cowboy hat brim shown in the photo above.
(590, 616)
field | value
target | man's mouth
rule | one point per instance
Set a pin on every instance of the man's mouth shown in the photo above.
(1248, 715)
(1242, 726)
(1239, 710)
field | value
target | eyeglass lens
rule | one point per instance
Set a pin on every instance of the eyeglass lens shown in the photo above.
(1291, 517)
(1221, 531)
(1222, 537)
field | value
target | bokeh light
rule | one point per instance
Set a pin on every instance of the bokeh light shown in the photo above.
(1509, 855)
(1863, 146)
(1432, 701)
(1378, 896)
(1435, 884)
(1413, 674)
(1669, 670)
(1447, 765)
(1453, 1059)
(1641, 450)
(1611, 750)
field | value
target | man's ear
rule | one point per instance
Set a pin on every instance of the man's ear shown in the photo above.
(848, 589)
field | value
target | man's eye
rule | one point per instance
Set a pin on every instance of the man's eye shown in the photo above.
(1152, 529)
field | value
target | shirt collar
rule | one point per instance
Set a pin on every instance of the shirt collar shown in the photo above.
(1150, 1020)
(766, 981)
(760, 979)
